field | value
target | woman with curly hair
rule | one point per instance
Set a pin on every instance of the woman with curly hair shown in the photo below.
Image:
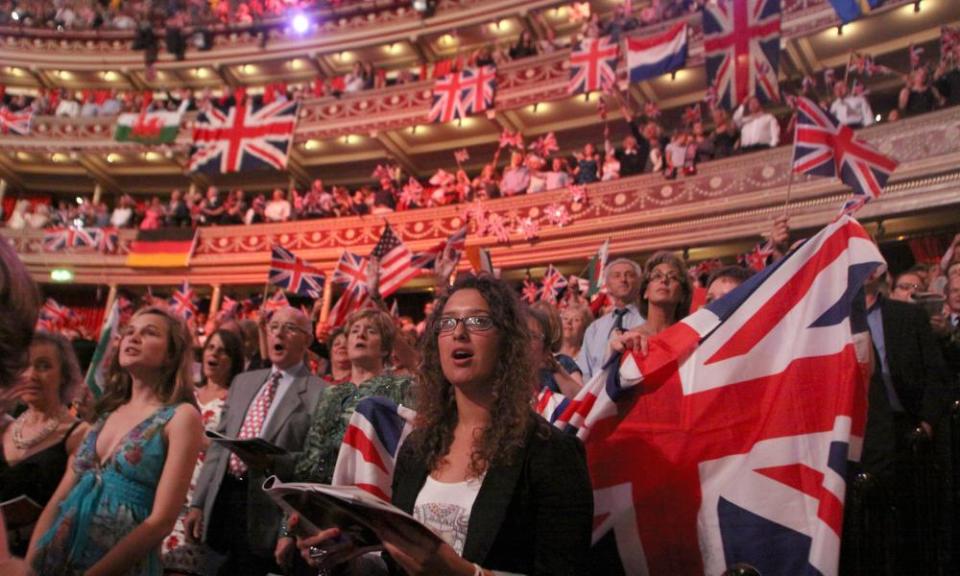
(506, 491)
(123, 489)
(665, 292)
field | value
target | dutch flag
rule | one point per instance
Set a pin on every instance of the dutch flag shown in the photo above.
(652, 56)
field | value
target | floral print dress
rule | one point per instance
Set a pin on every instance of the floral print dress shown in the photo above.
(179, 554)
(108, 501)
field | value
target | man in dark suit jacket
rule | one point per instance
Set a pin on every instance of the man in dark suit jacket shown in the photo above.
(909, 396)
(229, 509)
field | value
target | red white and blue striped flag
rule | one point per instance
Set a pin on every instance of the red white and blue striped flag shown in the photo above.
(396, 262)
(653, 56)
(738, 443)
(294, 274)
(824, 147)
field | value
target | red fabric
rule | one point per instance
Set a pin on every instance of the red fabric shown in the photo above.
(9, 202)
(338, 84)
(442, 68)
(319, 87)
(928, 249)
(699, 298)
(89, 319)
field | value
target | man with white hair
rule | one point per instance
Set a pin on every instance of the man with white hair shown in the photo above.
(622, 279)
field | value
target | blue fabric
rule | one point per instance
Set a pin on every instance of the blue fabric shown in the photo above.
(107, 502)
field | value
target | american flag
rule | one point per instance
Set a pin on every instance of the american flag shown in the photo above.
(243, 137)
(593, 65)
(738, 444)
(370, 445)
(553, 284)
(742, 46)
(276, 302)
(396, 262)
(457, 242)
(15, 122)
(182, 303)
(824, 147)
(294, 274)
(461, 93)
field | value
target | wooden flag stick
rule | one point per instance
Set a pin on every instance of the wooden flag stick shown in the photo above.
(327, 299)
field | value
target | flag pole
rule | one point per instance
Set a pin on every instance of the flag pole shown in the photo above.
(796, 128)
(327, 299)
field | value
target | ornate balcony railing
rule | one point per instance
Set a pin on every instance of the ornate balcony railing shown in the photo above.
(728, 200)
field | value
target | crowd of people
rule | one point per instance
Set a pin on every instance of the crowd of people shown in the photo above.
(128, 486)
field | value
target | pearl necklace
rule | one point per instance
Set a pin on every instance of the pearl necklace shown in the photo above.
(48, 429)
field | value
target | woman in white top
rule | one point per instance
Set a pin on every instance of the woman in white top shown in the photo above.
(278, 208)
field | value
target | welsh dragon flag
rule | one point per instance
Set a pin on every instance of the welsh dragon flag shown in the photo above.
(148, 127)
(97, 373)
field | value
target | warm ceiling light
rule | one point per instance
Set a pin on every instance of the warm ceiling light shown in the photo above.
(201, 72)
(296, 64)
(392, 48)
(152, 156)
(23, 156)
(110, 76)
(14, 71)
(63, 74)
(447, 40)
(111, 158)
(345, 56)
(59, 157)
(248, 69)
(347, 139)
(311, 145)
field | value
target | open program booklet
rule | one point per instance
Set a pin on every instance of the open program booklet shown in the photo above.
(360, 516)
(20, 511)
(254, 445)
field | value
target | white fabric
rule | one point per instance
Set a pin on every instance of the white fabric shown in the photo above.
(755, 129)
(852, 110)
(445, 508)
(277, 211)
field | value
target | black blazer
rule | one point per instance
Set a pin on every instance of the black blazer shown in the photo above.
(916, 363)
(531, 517)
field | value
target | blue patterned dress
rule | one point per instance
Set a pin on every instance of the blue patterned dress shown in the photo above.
(108, 501)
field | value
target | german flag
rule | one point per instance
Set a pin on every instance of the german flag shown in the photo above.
(162, 248)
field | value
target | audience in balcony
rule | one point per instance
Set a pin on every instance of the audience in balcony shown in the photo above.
(851, 110)
(918, 96)
(759, 129)
(946, 77)
(278, 209)
(122, 215)
(526, 46)
(516, 177)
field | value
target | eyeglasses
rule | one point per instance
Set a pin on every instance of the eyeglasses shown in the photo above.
(905, 286)
(665, 278)
(285, 327)
(448, 324)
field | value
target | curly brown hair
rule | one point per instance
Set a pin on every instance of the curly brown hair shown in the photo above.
(511, 412)
(686, 288)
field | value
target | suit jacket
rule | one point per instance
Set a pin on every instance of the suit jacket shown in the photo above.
(916, 364)
(286, 428)
(531, 517)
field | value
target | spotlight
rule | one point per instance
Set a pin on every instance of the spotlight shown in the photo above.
(15, 15)
(425, 8)
(300, 24)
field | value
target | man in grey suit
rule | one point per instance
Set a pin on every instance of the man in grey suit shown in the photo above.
(229, 509)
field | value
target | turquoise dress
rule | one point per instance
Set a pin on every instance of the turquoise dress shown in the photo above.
(108, 501)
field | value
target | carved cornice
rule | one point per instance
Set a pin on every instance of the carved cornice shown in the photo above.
(728, 200)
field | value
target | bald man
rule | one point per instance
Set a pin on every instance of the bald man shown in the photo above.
(229, 510)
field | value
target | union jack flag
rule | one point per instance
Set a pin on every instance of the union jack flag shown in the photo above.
(825, 147)
(530, 292)
(182, 303)
(294, 274)
(756, 259)
(244, 137)
(350, 269)
(351, 272)
(370, 445)
(553, 284)
(738, 444)
(510, 138)
(546, 145)
(459, 94)
(276, 302)
(593, 65)
(60, 239)
(54, 316)
(396, 262)
(15, 122)
(742, 49)
(457, 242)
(229, 308)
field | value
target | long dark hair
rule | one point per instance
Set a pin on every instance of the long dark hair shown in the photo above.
(233, 346)
(177, 384)
(511, 384)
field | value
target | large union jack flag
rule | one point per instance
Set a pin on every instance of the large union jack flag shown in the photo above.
(593, 65)
(15, 122)
(59, 239)
(742, 46)
(824, 147)
(294, 274)
(739, 422)
(243, 137)
(459, 94)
